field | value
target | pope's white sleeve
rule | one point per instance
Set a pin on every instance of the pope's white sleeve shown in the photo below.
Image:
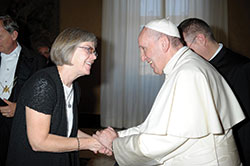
(147, 149)
(130, 131)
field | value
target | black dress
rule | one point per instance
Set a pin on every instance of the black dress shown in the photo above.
(44, 93)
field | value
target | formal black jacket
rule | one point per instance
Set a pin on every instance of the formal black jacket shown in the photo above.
(26, 66)
(236, 70)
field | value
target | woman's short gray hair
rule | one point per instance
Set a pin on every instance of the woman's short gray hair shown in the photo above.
(66, 43)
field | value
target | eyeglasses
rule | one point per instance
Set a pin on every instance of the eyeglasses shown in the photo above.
(90, 50)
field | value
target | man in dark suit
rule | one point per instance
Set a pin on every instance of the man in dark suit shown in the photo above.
(17, 64)
(235, 68)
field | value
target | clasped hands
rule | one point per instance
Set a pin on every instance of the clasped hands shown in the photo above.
(106, 137)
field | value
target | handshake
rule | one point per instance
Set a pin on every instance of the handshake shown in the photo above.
(103, 141)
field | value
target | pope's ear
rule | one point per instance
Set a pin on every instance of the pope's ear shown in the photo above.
(165, 43)
(14, 35)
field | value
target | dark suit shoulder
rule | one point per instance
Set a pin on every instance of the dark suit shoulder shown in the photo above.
(231, 65)
(31, 59)
(27, 53)
(234, 57)
(227, 60)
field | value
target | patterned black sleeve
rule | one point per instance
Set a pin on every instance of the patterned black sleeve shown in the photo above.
(40, 93)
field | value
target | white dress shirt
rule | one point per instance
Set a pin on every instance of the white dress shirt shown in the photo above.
(7, 72)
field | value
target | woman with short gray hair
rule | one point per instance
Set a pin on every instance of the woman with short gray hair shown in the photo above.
(44, 130)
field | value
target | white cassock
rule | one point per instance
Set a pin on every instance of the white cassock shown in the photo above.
(190, 122)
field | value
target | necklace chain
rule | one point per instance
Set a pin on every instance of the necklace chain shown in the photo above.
(69, 97)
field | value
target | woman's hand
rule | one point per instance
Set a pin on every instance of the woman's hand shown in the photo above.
(93, 144)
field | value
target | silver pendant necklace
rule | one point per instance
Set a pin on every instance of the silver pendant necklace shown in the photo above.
(68, 96)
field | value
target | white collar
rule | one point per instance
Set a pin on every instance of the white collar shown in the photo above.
(172, 62)
(218, 50)
(14, 54)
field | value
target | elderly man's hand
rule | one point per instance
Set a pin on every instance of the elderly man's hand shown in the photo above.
(106, 137)
(9, 110)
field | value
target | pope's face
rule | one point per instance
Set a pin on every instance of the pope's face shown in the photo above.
(151, 52)
(83, 58)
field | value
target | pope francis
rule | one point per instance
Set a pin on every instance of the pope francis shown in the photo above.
(191, 120)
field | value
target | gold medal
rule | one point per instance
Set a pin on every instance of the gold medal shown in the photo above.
(6, 88)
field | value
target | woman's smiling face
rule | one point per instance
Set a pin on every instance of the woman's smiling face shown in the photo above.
(83, 58)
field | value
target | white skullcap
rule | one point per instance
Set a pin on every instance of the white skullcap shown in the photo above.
(164, 26)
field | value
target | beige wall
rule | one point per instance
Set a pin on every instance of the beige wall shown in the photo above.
(87, 15)
(239, 26)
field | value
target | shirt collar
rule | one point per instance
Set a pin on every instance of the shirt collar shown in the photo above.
(173, 61)
(218, 50)
(15, 53)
